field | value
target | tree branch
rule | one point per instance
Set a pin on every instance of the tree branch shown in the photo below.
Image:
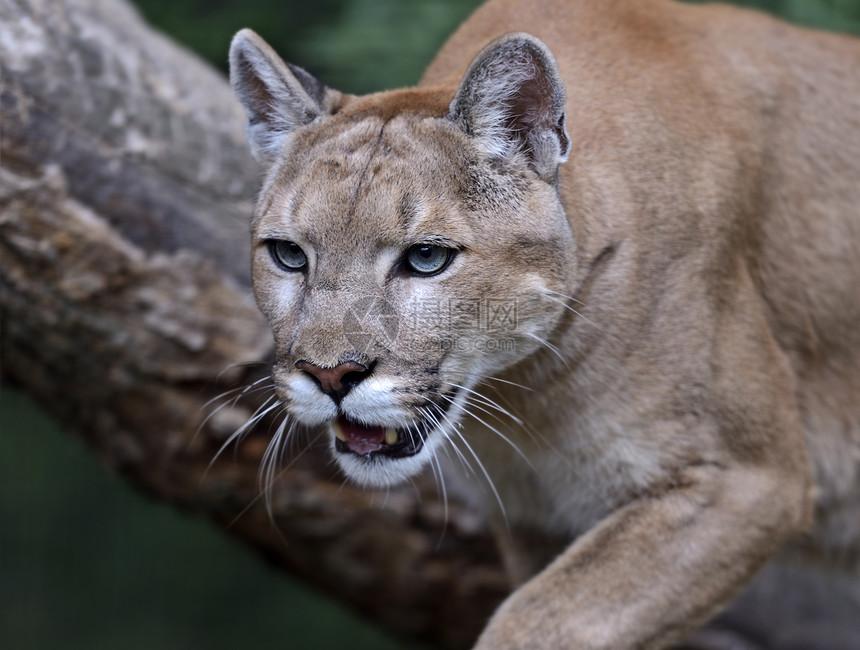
(125, 187)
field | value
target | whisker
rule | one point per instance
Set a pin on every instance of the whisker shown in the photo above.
(539, 438)
(269, 464)
(510, 442)
(439, 478)
(549, 346)
(260, 494)
(479, 463)
(563, 295)
(486, 474)
(437, 424)
(471, 402)
(488, 402)
(241, 390)
(261, 412)
(569, 308)
(241, 364)
(510, 383)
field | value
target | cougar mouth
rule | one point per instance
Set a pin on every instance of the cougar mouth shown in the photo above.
(363, 440)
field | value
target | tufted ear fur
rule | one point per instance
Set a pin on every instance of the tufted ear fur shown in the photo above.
(278, 97)
(512, 100)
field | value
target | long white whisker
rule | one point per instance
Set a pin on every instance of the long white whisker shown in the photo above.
(472, 403)
(437, 424)
(284, 469)
(538, 438)
(486, 474)
(505, 381)
(480, 464)
(242, 390)
(549, 346)
(448, 449)
(501, 435)
(242, 364)
(563, 295)
(439, 476)
(487, 402)
(239, 433)
(569, 308)
(269, 464)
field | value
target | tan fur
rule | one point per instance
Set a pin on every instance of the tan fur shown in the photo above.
(681, 393)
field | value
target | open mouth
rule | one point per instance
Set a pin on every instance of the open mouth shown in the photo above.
(357, 438)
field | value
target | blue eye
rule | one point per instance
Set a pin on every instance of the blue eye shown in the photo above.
(427, 259)
(288, 255)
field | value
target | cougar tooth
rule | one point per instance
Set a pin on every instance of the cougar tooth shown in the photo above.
(391, 436)
(338, 431)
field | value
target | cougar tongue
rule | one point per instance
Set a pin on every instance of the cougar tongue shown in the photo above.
(360, 439)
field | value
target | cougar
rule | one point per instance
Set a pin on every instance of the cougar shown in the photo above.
(600, 272)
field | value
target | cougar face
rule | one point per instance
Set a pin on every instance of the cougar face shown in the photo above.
(398, 269)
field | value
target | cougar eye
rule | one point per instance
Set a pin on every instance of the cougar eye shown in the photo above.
(428, 259)
(288, 255)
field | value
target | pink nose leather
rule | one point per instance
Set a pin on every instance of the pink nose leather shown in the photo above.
(331, 379)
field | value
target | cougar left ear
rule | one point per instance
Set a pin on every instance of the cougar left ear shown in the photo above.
(278, 97)
(512, 100)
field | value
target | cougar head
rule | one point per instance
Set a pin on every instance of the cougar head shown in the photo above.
(406, 244)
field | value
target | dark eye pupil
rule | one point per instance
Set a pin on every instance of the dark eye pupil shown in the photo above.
(428, 259)
(288, 255)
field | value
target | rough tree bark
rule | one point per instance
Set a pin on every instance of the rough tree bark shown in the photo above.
(125, 187)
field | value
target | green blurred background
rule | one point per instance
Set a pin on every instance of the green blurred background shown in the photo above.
(88, 564)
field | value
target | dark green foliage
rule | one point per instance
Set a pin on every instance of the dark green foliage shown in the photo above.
(353, 45)
(838, 15)
(366, 45)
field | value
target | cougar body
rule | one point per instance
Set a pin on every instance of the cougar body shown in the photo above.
(601, 267)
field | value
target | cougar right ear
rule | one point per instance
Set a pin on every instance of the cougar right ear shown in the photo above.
(511, 100)
(278, 97)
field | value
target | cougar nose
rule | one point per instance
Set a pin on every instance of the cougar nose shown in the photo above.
(335, 382)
